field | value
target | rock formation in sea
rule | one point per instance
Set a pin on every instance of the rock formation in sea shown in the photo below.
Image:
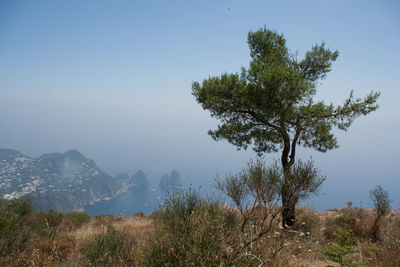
(174, 179)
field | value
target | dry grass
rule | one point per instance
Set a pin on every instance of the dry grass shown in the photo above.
(303, 246)
(138, 226)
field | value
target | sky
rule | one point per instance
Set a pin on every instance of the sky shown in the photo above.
(113, 80)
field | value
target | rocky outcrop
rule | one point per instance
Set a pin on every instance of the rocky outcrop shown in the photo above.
(139, 179)
(174, 179)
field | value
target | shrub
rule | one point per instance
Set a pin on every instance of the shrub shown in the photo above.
(76, 219)
(203, 232)
(9, 227)
(15, 216)
(51, 218)
(379, 255)
(307, 221)
(256, 192)
(20, 207)
(111, 248)
(47, 223)
(355, 218)
(192, 232)
(342, 253)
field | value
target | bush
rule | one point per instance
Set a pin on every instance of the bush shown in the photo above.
(47, 223)
(15, 218)
(307, 221)
(356, 219)
(111, 248)
(192, 232)
(20, 207)
(197, 231)
(342, 253)
(379, 255)
(76, 219)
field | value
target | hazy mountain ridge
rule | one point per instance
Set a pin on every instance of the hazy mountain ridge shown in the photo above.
(60, 181)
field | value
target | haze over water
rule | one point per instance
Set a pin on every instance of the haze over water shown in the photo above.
(113, 80)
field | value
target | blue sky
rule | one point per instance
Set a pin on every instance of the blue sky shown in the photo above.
(113, 79)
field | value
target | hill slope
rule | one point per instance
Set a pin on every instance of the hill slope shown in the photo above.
(60, 181)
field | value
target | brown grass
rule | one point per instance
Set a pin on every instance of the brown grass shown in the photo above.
(131, 225)
(304, 245)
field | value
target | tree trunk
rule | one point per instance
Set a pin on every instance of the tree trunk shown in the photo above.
(289, 200)
(289, 197)
(288, 210)
(375, 230)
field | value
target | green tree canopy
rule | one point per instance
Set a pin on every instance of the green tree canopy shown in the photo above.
(270, 105)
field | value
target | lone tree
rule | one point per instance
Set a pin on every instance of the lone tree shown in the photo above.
(381, 201)
(270, 105)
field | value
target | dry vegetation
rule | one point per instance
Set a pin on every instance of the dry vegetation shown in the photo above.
(200, 239)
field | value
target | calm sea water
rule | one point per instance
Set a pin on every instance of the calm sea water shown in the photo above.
(146, 199)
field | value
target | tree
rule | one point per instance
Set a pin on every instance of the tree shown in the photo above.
(381, 201)
(270, 105)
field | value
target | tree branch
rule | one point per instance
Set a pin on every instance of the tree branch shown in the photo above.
(254, 115)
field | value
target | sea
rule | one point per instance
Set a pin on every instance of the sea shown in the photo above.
(151, 198)
(142, 199)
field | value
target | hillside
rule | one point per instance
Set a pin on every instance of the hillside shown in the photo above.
(60, 181)
(73, 239)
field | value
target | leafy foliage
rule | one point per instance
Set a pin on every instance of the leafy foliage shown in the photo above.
(270, 105)
(273, 99)
(342, 252)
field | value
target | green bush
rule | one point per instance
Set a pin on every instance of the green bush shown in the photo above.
(111, 248)
(76, 219)
(9, 227)
(20, 207)
(192, 232)
(51, 218)
(47, 223)
(15, 225)
(342, 253)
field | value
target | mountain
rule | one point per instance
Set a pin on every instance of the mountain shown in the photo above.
(139, 179)
(60, 181)
(174, 179)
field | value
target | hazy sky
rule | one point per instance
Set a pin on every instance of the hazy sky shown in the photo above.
(113, 80)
